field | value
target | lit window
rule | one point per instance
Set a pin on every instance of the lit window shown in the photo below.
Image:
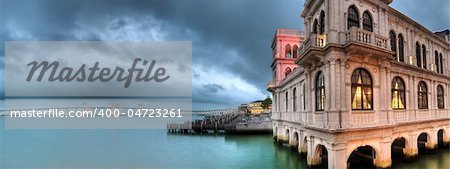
(398, 94)
(362, 97)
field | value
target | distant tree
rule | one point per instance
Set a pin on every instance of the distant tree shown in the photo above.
(267, 102)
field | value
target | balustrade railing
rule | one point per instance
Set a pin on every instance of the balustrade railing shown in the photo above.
(360, 35)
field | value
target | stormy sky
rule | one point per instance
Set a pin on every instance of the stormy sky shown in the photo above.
(230, 38)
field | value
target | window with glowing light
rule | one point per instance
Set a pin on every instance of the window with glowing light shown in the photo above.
(398, 94)
(422, 95)
(362, 95)
(320, 92)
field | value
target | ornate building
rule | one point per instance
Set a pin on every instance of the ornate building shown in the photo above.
(366, 82)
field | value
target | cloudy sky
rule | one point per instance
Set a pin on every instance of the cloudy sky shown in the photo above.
(231, 38)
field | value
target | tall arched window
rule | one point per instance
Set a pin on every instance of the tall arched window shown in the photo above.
(441, 61)
(422, 95)
(320, 92)
(436, 61)
(288, 52)
(315, 26)
(322, 22)
(424, 56)
(418, 58)
(367, 21)
(398, 94)
(401, 52)
(287, 71)
(352, 17)
(393, 40)
(440, 97)
(294, 51)
(294, 99)
(286, 99)
(304, 96)
(362, 96)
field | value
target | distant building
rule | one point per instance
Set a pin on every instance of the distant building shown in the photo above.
(256, 107)
(243, 107)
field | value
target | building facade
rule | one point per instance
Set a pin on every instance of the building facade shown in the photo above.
(363, 81)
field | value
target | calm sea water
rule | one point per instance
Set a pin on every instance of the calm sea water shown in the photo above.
(120, 149)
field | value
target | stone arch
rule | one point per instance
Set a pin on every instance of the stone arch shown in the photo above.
(363, 156)
(422, 140)
(442, 142)
(296, 139)
(398, 146)
(319, 157)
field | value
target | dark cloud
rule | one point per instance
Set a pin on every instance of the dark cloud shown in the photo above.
(230, 36)
(213, 88)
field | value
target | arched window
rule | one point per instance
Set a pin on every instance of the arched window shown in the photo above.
(436, 61)
(440, 97)
(286, 99)
(322, 22)
(401, 52)
(422, 95)
(288, 51)
(314, 28)
(362, 97)
(352, 17)
(294, 51)
(304, 96)
(424, 56)
(320, 92)
(393, 40)
(398, 94)
(287, 71)
(367, 21)
(294, 99)
(441, 61)
(418, 58)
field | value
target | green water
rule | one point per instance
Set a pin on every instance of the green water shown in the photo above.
(124, 149)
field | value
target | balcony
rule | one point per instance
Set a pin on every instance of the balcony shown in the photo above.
(271, 86)
(358, 35)
(311, 49)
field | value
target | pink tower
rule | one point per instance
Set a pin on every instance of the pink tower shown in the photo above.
(285, 45)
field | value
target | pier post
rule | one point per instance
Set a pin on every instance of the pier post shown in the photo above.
(336, 157)
(431, 145)
(383, 160)
(411, 150)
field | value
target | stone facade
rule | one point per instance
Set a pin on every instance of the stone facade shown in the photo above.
(366, 77)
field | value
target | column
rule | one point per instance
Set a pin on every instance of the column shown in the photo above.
(431, 145)
(336, 157)
(411, 152)
(383, 158)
